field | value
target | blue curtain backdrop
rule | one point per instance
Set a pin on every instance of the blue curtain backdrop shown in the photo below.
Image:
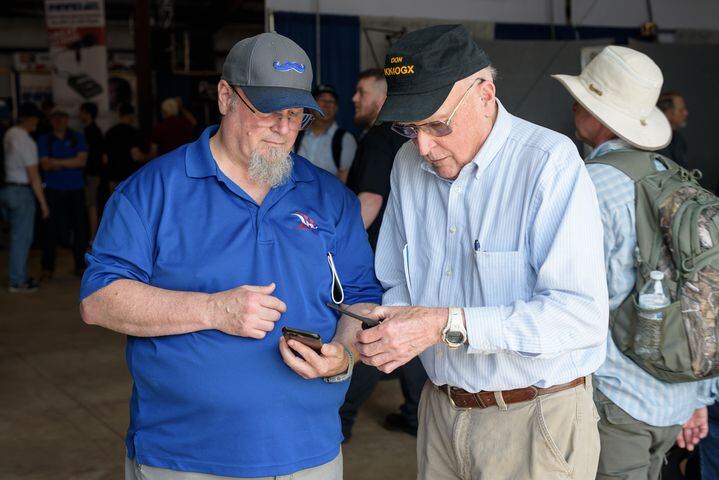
(339, 53)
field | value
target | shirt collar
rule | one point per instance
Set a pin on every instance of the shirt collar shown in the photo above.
(491, 146)
(494, 142)
(199, 162)
(609, 146)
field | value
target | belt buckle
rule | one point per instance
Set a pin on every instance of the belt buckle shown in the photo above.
(451, 400)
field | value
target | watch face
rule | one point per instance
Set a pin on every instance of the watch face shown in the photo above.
(455, 337)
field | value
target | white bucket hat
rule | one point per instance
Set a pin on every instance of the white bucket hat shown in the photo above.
(620, 88)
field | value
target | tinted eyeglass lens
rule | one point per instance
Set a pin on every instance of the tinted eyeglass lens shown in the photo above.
(436, 129)
(405, 130)
(307, 119)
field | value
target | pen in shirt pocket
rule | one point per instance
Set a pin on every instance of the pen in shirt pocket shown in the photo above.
(477, 247)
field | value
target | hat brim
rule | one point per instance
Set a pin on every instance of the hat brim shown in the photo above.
(655, 133)
(413, 107)
(274, 99)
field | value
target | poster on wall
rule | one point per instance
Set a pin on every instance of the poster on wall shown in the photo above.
(78, 52)
(34, 87)
(33, 79)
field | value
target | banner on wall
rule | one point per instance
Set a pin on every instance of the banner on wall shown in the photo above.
(78, 53)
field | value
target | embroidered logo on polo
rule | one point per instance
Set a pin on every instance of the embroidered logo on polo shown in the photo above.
(306, 223)
(399, 69)
(287, 66)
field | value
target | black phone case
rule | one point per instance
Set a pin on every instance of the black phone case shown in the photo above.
(366, 321)
(311, 339)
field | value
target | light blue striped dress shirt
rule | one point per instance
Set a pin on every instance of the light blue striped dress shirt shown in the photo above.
(533, 290)
(636, 392)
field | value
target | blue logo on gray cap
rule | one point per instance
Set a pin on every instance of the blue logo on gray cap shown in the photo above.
(287, 66)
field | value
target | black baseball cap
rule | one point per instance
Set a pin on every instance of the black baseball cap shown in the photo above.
(423, 66)
(273, 71)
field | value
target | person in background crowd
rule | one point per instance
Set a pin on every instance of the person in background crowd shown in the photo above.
(63, 156)
(203, 256)
(674, 107)
(175, 129)
(640, 416)
(123, 147)
(709, 446)
(326, 144)
(93, 169)
(44, 126)
(22, 186)
(369, 179)
(491, 256)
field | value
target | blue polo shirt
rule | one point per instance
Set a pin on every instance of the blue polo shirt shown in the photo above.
(207, 401)
(67, 147)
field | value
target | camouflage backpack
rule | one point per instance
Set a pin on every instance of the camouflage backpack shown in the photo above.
(677, 226)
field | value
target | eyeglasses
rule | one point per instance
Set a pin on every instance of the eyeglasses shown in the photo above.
(295, 120)
(436, 128)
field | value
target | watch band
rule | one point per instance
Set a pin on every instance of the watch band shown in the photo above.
(345, 375)
(454, 325)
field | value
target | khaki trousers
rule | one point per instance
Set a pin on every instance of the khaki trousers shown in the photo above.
(631, 450)
(551, 437)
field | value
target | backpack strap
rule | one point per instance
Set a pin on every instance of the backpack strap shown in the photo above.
(298, 141)
(635, 164)
(337, 146)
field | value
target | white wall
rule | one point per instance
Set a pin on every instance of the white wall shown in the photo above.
(517, 11)
(669, 14)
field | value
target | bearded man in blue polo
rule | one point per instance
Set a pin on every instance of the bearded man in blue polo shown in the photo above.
(204, 255)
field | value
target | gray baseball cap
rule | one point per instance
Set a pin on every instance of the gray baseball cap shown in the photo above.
(273, 71)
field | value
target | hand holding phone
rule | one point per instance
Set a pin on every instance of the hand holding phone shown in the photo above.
(311, 339)
(366, 321)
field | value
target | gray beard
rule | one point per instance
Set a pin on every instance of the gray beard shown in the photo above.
(274, 170)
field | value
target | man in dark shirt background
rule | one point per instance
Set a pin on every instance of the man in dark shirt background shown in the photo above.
(93, 169)
(123, 147)
(175, 128)
(369, 175)
(675, 109)
(369, 178)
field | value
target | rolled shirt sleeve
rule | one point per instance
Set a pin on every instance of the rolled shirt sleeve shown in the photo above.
(122, 248)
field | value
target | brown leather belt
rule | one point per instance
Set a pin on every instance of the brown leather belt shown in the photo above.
(463, 399)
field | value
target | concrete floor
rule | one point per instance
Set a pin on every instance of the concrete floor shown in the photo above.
(65, 389)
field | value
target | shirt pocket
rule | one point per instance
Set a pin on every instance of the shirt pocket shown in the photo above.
(502, 277)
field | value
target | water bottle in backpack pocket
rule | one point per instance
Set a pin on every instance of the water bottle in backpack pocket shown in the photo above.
(653, 299)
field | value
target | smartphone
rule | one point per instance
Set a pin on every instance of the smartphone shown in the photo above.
(366, 321)
(311, 339)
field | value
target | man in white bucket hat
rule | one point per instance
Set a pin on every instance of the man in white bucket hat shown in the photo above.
(640, 417)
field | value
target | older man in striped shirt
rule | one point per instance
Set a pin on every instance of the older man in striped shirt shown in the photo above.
(641, 416)
(491, 256)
